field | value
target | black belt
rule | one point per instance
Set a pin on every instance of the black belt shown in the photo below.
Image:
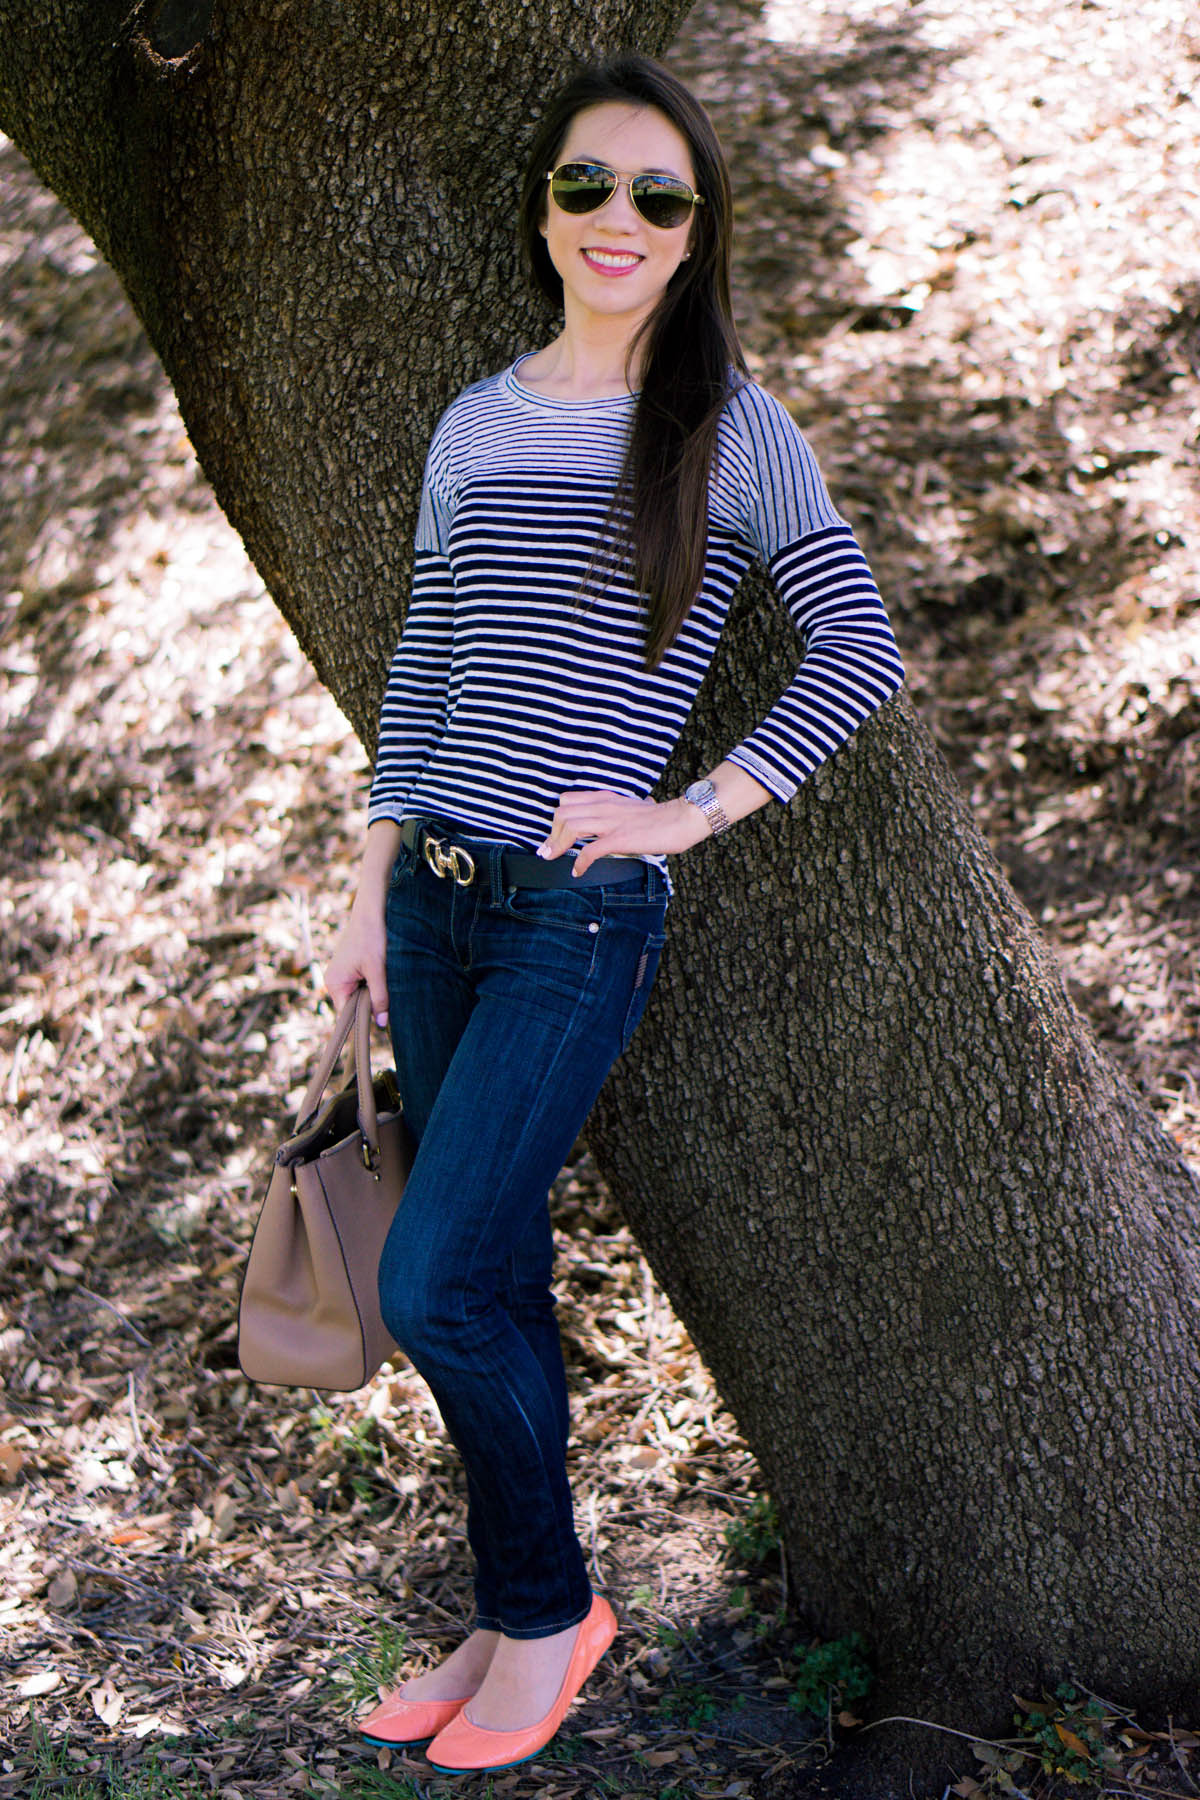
(451, 855)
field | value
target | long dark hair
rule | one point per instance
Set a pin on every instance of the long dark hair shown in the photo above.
(691, 346)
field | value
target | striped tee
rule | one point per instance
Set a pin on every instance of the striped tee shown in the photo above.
(511, 684)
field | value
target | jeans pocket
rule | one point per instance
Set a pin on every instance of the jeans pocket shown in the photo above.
(567, 909)
(643, 981)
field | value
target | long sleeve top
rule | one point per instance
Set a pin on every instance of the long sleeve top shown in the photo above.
(514, 681)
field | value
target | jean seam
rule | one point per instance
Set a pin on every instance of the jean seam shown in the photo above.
(652, 946)
(564, 1572)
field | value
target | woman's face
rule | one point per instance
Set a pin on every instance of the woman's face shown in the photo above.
(613, 264)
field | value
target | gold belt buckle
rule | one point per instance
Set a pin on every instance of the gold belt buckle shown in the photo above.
(449, 859)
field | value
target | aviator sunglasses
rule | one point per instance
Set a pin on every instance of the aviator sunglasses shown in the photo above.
(584, 187)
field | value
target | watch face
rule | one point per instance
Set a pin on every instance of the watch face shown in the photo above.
(699, 792)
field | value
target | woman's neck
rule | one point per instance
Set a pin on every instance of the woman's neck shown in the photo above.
(585, 365)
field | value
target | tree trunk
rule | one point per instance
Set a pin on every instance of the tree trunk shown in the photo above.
(943, 1268)
(942, 1265)
(312, 211)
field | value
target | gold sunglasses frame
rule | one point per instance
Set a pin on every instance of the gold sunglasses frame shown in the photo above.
(621, 180)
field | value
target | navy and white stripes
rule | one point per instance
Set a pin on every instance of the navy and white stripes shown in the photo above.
(511, 684)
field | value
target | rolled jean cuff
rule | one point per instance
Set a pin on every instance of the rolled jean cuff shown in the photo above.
(540, 1631)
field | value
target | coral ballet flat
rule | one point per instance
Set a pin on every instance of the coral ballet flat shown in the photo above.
(464, 1745)
(396, 1721)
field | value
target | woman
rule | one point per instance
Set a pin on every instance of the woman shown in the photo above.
(585, 518)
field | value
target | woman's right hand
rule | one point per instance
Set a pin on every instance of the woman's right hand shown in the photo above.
(360, 953)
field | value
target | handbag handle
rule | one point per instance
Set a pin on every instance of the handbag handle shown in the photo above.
(368, 1117)
(355, 1015)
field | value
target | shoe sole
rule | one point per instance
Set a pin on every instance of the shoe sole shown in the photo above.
(395, 1743)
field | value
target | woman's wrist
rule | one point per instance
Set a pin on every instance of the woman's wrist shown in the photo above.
(735, 795)
(692, 821)
(704, 797)
(379, 856)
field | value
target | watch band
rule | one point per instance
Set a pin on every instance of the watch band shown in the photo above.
(704, 795)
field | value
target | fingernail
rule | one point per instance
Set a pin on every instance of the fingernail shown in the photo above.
(381, 1018)
(542, 850)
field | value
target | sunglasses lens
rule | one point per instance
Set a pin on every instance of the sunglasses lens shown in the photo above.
(582, 187)
(662, 201)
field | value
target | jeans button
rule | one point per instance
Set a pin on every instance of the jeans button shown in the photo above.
(593, 927)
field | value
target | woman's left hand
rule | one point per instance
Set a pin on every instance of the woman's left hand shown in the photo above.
(615, 825)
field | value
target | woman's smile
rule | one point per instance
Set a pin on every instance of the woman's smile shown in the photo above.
(610, 262)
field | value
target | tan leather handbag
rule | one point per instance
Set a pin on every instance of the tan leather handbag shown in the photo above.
(309, 1309)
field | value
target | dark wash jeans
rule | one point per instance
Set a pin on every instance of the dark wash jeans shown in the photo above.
(507, 1009)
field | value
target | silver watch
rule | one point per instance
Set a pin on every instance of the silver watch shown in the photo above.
(704, 795)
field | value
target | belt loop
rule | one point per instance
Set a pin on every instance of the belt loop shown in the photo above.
(495, 874)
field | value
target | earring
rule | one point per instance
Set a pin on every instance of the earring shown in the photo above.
(686, 257)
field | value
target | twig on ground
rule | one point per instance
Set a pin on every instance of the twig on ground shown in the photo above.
(971, 1737)
(129, 1325)
(134, 1421)
(593, 1557)
(109, 1574)
(1158, 1793)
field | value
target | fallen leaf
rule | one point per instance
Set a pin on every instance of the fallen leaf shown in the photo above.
(107, 1704)
(43, 1681)
(987, 1753)
(1073, 1743)
(64, 1589)
(12, 1461)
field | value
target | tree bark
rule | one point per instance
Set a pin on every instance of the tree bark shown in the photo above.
(312, 211)
(943, 1266)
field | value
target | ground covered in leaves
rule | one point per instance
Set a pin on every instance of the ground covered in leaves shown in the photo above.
(969, 261)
